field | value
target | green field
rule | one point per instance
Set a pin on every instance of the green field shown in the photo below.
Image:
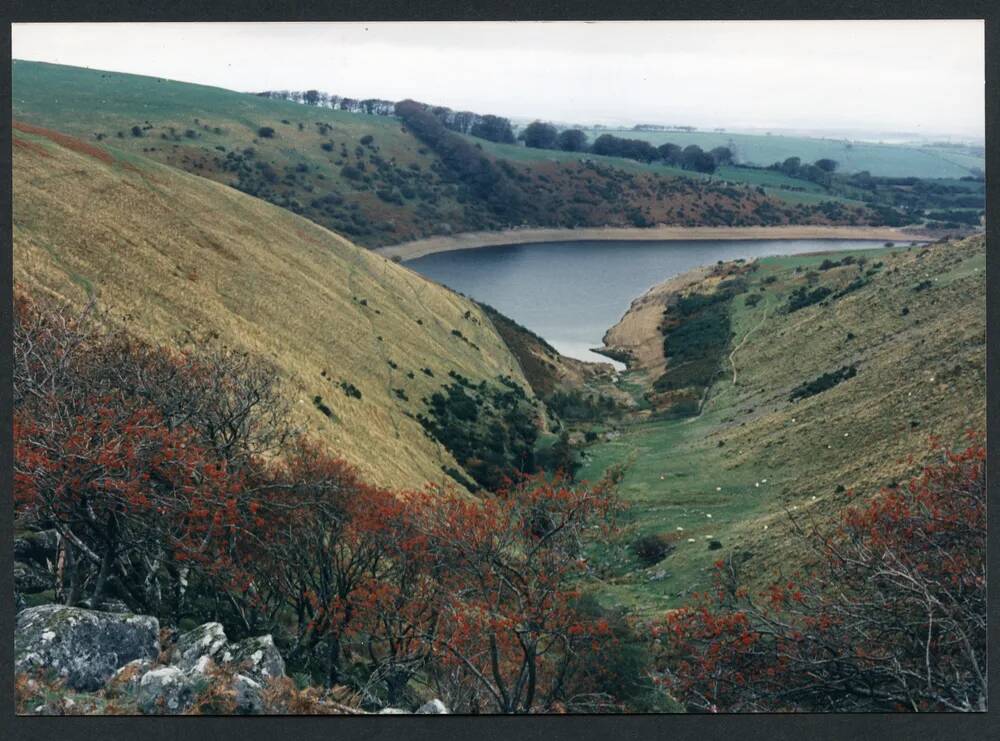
(893, 160)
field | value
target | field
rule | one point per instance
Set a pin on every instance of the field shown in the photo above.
(182, 260)
(752, 458)
(893, 160)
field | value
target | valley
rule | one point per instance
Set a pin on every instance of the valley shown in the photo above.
(386, 408)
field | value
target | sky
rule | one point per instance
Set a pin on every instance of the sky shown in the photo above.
(916, 76)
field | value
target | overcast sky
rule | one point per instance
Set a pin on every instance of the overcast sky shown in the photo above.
(912, 76)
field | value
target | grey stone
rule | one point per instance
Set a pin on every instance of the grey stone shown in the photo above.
(167, 690)
(434, 707)
(249, 695)
(39, 547)
(85, 647)
(206, 640)
(126, 680)
(393, 711)
(31, 579)
(256, 657)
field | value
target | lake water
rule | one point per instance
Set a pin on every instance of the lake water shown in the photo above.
(571, 293)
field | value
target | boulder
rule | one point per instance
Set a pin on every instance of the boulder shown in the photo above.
(31, 579)
(434, 707)
(249, 695)
(205, 640)
(167, 690)
(85, 647)
(126, 680)
(393, 711)
(256, 657)
(38, 547)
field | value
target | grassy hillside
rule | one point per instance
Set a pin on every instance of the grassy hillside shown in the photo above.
(371, 179)
(910, 321)
(184, 260)
(892, 160)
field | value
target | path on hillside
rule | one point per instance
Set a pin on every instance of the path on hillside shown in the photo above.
(732, 355)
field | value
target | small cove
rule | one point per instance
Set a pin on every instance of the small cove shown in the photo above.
(571, 293)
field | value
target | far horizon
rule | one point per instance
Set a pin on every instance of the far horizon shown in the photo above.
(807, 77)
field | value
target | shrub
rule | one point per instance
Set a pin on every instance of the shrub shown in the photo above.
(802, 297)
(651, 549)
(265, 132)
(823, 382)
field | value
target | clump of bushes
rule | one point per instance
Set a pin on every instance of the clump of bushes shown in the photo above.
(490, 428)
(823, 382)
(350, 390)
(651, 549)
(265, 132)
(802, 297)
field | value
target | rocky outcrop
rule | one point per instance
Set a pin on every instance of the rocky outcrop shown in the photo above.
(167, 690)
(118, 654)
(84, 647)
(256, 657)
(191, 647)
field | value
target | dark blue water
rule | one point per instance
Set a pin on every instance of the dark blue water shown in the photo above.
(571, 293)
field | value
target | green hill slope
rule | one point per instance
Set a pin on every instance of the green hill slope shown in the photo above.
(373, 180)
(183, 259)
(784, 429)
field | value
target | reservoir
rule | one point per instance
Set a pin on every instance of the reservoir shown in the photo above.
(571, 293)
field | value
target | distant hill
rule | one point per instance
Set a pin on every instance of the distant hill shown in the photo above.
(370, 178)
(359, 342)
(890, 160)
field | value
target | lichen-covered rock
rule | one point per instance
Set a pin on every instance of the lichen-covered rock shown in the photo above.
(249, 695)
(126, 680)
(85, 647)
(167, 690)
(206, 640)
(31, 579)
(256, 657)
(39, 547)
(434, 707)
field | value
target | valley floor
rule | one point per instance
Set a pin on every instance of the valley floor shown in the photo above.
(474, 240)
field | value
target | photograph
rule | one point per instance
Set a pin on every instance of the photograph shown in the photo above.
(481, 368)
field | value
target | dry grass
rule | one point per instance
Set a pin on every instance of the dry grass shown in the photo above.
(180, 259)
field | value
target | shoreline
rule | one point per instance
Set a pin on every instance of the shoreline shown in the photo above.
(476, 240)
